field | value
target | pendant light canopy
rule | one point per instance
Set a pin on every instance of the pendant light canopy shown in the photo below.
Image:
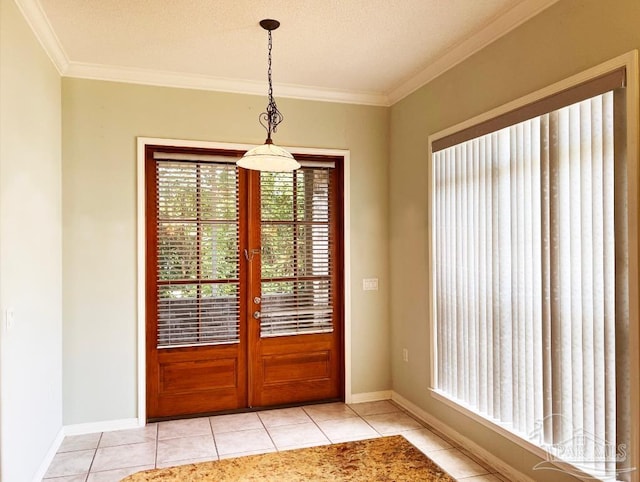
(269, 157)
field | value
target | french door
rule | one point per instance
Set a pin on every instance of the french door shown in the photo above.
(244, 282)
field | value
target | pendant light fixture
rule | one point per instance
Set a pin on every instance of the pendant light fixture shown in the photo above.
(269, 157)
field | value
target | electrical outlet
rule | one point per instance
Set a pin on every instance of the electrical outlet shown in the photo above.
(405, 355)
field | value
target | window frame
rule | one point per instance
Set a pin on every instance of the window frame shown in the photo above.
(629, 62)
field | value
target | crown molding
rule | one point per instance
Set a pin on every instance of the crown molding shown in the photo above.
(203, 82)
(492, 31)
(34, 15)
(37, 20)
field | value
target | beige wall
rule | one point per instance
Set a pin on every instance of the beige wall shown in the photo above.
(568, 38)
(101, 121)
(389, 202)
(30, 250)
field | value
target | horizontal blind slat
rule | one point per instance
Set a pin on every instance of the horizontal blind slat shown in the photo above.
(178, 156)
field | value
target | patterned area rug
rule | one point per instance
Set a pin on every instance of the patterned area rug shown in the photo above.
(381, 459)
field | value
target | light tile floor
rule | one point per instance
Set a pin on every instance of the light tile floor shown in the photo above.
(110, 456)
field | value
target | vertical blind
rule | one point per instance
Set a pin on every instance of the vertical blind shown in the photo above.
(529, 301)
(197, 251)
(297, 251)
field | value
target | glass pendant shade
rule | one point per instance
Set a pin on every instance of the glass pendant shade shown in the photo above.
(268, 157)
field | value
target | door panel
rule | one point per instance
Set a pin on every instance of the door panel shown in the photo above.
(196, 357)
(244, 283)
(296, 369)
(297, 343)
(198, 380)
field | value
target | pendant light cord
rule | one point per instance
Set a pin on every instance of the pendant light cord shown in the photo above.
(269, 48)
(272, 116)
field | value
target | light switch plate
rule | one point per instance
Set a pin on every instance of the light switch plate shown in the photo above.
(9, 319)
(370, 284)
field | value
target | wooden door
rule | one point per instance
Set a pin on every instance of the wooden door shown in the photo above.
(244, 287)
(295, 285)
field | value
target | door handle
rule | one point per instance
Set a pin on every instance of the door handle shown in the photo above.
(256, 315)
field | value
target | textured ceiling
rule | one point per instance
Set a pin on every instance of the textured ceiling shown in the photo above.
(370, 47)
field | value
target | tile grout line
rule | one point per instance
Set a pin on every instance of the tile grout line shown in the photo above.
(155, 455)
(356, 415)
(372, 427)
(213, 436)
(331, 442)
(174, 463)
(268, 433)
(93, 459)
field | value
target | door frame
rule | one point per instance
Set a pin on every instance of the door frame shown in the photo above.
(142, 142)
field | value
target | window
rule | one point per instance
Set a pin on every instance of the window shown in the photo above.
(197, 232)
(530, 273)
(297, 250)
(197, 229)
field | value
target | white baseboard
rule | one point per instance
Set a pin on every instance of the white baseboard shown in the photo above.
(477, 450)
(371, 396)
(51, 453)
(105, 426)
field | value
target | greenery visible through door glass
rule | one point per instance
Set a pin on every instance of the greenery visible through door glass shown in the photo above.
(296, 252)
(197, 223)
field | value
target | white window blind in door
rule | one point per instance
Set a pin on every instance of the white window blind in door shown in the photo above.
(530, 282)
(197, 258)
(297, 251)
